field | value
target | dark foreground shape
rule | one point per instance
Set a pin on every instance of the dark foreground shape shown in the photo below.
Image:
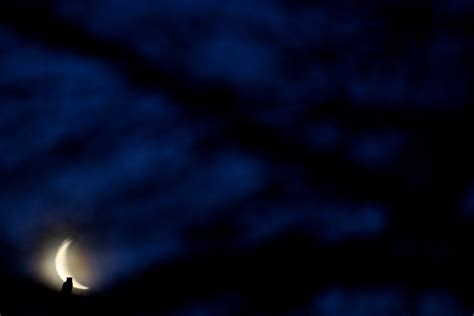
(67, 287)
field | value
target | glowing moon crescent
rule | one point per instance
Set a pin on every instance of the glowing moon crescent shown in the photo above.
(61, 265)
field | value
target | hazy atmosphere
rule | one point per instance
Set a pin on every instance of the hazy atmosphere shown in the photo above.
(240, 157)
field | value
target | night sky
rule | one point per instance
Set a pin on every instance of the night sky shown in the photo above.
(261, 157)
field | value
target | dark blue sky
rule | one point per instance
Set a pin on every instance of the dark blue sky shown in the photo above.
(142, 127)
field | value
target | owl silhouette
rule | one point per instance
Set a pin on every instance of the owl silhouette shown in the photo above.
(67, 287)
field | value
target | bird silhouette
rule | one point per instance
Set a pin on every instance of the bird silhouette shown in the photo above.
(67, 287)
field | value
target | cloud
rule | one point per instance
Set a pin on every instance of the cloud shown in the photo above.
(378, 149)
(386, 301)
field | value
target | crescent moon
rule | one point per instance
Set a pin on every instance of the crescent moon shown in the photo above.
(61, 264)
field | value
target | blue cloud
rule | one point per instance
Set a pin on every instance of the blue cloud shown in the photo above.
(384, 301)
(326, 136)
(381, 149)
